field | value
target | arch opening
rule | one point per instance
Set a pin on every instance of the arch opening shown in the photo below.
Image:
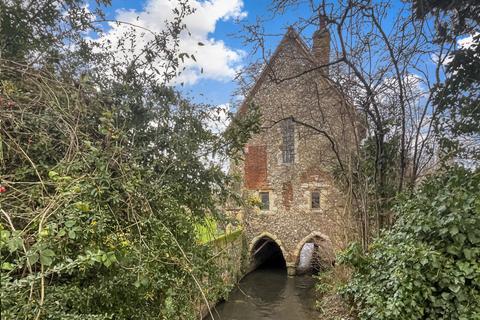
(267, 254)
(314, 254)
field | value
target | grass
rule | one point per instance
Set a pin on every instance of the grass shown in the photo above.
(331, 305)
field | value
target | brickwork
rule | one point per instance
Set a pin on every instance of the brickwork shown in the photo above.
(255, 167)
(312, 101)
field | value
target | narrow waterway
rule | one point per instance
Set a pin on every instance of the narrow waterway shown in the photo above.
(268, 293)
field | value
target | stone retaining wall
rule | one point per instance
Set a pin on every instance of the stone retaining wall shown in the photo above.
(229, 253)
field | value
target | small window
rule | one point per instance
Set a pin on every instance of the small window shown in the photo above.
(315, 200)
(265, 200)
(288, 135)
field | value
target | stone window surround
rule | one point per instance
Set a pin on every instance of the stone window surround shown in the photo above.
(318, 191)
(269, 199)
(288, 141)
(279, 154)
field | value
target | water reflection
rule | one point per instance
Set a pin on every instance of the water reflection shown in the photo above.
(269, 294)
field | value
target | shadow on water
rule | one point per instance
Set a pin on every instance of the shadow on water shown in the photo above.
(268, 293)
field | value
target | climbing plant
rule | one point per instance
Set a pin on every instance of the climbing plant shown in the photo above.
(105, 171)
(427, 266)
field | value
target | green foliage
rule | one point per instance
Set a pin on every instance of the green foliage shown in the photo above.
(457, 97)
(207, 230)
(428, 265)
(97, 224)
(106, 172)
(23, 27)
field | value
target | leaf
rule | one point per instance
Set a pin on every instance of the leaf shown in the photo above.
(83, 206)
(45, 260)
(454, 287)
(4, 235)
(453, 250)
(106, 262)
(70, 223)
(52, 175)
(468, 253)
(48, 253)
(72, 234)
(14, 243)
(7, 266)
(453, 230)
(445, 295)
(473, 237)
(201, 44)
(33, 258)
(182, 56)
(109, 258)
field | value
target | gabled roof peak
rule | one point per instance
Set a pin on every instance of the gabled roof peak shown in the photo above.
(293, 34)
(290, 35)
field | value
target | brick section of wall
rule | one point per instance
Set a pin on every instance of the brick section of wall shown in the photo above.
(287, 195)
(256, 167)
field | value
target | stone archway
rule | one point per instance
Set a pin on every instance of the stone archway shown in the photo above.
(263, 247)
(322, 246)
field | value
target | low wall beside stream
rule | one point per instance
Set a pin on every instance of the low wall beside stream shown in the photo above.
(230, 256)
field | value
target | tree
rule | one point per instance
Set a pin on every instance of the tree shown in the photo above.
(381, 63)
(457, 97)
(426, 267)
(104, 171)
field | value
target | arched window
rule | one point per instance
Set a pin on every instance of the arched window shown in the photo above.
(288, 135)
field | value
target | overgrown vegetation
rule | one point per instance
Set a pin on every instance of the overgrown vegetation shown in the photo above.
(410, 69)
(330, 304)
(427, 266)
(105, 172)
(107, 183)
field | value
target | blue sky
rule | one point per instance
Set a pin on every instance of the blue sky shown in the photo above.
(213, 24)
(215, 87)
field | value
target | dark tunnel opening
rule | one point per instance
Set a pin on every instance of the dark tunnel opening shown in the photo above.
(268, 255)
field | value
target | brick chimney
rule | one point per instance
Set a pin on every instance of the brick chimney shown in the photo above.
(321, 45)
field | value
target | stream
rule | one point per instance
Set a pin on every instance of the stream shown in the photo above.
(268, 293)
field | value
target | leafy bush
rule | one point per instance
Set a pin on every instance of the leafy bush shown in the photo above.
(105, 170)
(96, 223)
(428, 265)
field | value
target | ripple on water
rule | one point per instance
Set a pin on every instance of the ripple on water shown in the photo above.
(269, 294)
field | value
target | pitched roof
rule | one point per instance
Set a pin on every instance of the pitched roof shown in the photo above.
(290, 35)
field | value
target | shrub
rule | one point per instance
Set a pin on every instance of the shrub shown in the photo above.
(98, 213)
(428, 265)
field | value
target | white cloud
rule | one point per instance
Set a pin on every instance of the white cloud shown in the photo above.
(215, 58)
(466, 42)
(219, 118)
(463, 43)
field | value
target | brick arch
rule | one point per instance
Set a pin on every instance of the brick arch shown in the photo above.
(320, 239)
(270, 236)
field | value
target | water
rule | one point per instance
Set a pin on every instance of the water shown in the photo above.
(270, 294)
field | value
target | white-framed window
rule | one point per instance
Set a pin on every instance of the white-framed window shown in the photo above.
(264, 200)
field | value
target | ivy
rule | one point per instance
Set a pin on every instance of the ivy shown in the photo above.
(105, 170)
(428, 265)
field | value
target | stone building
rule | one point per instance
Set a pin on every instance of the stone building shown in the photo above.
(308, 132)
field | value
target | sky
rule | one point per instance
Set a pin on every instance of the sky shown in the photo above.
(214, 23)
(210, 79)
